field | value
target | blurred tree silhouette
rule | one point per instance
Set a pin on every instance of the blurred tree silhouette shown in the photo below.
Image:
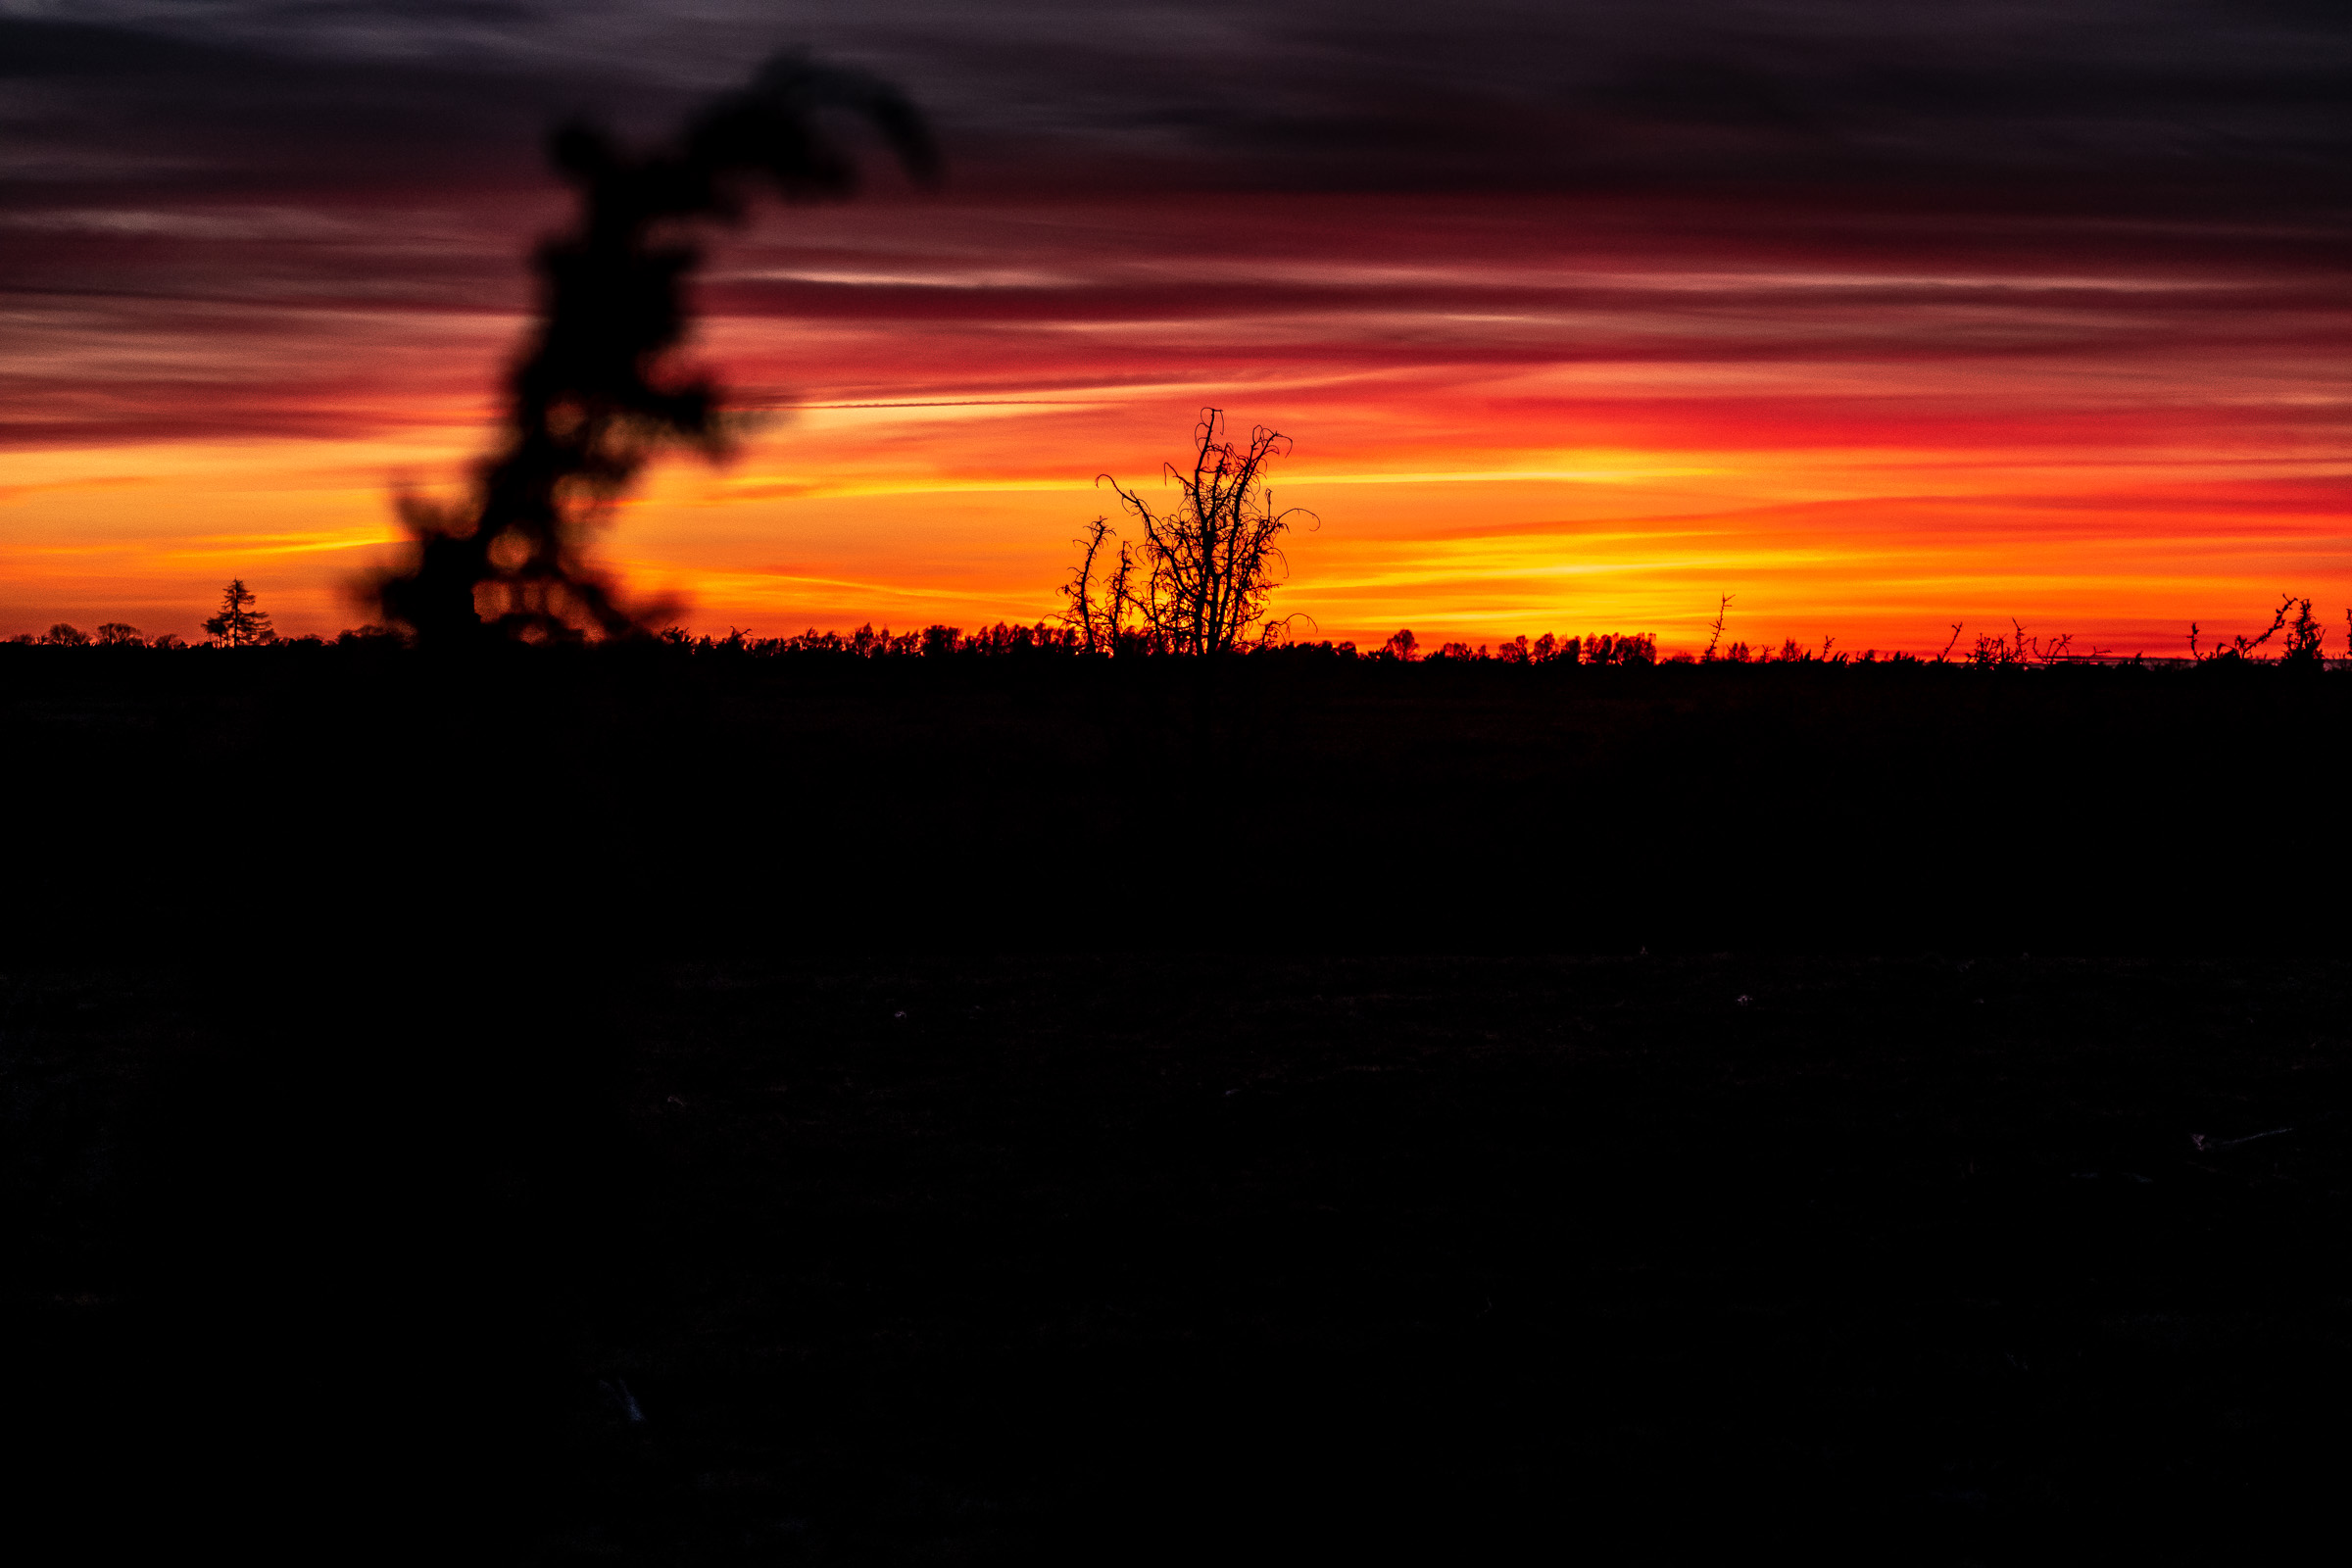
(597, 395)
(64, 635)
(239, 624)
(117, 634)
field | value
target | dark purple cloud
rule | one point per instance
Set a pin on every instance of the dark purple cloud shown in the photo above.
(216, 204)
(2076, 94)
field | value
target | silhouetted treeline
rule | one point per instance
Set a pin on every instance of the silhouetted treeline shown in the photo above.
(1596, 650)
(1042, 637)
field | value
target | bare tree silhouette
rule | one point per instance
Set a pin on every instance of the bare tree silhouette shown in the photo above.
(1209, 561)
(118, 634)
(1101, 595)
(1723, 613)
(597, 395)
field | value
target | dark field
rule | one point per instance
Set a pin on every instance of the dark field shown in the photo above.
(1267, 804)
(993, 1115)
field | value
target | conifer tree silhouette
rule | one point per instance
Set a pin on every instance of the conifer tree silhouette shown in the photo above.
(239, 624)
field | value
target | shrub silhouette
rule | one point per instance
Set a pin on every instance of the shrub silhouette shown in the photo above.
(598, 395)
(2305, 640)
(2003, 652)
(2242, 649)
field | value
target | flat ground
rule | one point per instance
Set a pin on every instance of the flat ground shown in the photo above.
(1003, 1109)
(1280, 803)
(972, 1259)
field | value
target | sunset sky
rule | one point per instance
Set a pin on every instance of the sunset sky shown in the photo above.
(1879, 317)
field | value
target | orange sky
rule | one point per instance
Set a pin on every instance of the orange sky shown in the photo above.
(1513, 414)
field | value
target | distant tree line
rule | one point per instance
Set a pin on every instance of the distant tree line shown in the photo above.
(1636, 648)
(237, 625)
(2297, 647)
(110, 634)
(1068, 641)
(116, 634)
(2295, 632)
